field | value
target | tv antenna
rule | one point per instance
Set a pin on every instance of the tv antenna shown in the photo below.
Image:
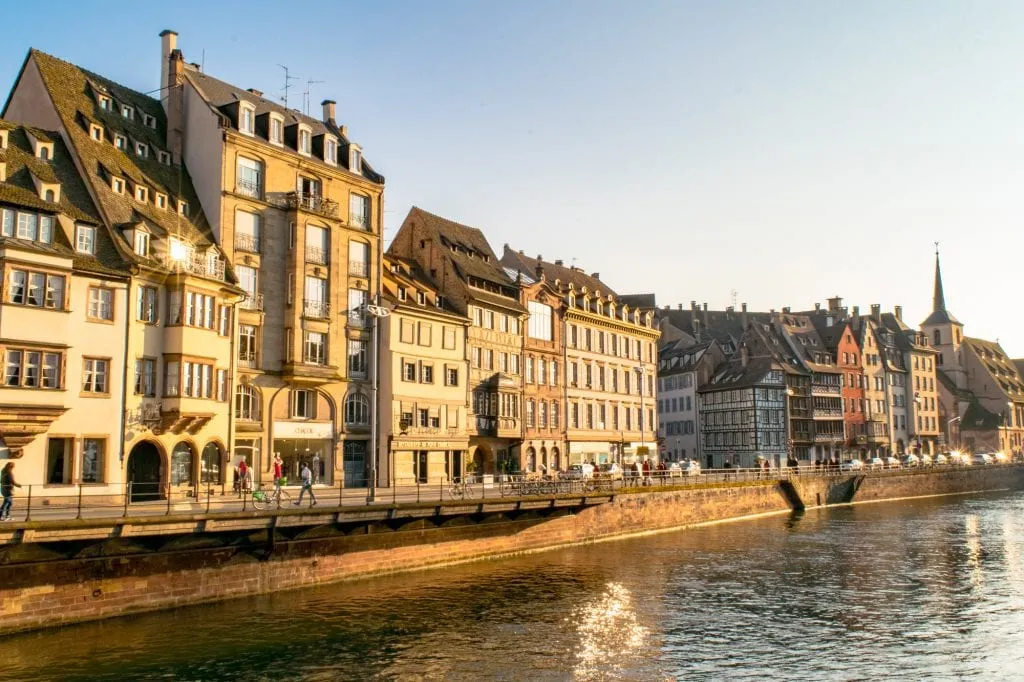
(287, 84)
(733, 294)
(305, 95)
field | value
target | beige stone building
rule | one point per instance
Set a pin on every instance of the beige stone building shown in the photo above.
(424, 377)
(62, 323)
(297, 209)
(459, 264)
(178, 312)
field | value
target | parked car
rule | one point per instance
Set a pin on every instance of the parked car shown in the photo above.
(876, 463)
(1000, 458)
(580, 471)
(926, 460)
(982, 458)
(852, 465)
(611, 471)
(675, 469)
(959, 459)
(691, 468)
(892, 463)
(940, 460)
(911, 460)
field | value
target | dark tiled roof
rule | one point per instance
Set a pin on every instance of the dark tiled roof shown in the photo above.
(687, 358)
(223, 95)
(566, 275)
(977, 418)
(1000, 368)
(71, 89)
(950, 385)
(940, 317)
(408, 273)
(641, 301)
(733, 374)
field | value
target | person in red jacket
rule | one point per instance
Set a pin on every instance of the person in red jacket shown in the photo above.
(278, 470)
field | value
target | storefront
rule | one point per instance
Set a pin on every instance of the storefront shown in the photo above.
(305, 442)
(594, 452)
(418, 461)
(636, 451)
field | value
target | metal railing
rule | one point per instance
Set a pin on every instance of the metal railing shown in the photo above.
(247, 242)
(317, 310)
(312, 203)
(316, 255)
(252, 302)
(358, 268)
(359, 221)
(196, 264)
(249, 188)
(246, 359)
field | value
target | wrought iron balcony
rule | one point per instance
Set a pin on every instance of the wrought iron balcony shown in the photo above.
(356, 318)
(358, 268)
(196, 264)
(247, 242)
(316, 255)
(313, 204)
(358, 221)
(249, 188)
(252, 302)
(247, 359)
(317, 310)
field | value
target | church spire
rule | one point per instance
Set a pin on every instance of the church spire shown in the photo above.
(939, 299)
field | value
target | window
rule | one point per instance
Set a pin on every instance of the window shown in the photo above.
(357, 300)
(359, 260)
(222, 385)
(96, 132)
(315, 304)
(276, 130)
(105, 103)
(317, 248)
(357, 358)
(223, 320)
(540, 321)
(200, 310)
(401, 293)
(101, 304)
(127, 112)
(146, 308)
(246, 119)
(181, 464)
(182, 207)
(359, 211)
(95, 373)
(85, 238)
(303, 404)
(451, 376)
(427, 374)
(247, 280)
(357, 410)
(145, 377)
(117, 184)
(141, 194)
(161, 201)
(355, 159)
(315, 348)
(149, 121)
(330, 150)
(247, 345)
(32, 369)
(529, 414)
(141, 243)
(164, 158)
(92, 460)
(36, 289)
(142, 150)
(28, 226)
(58, 463)
(305, 141)
(196, 379)
(121, 142)
(421, 298)
(247, 403)
(408, 371)
(250, 177)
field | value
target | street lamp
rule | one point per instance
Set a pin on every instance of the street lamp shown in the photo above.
(949, 430)
(642, 376)
(376, 312)
(789, 433)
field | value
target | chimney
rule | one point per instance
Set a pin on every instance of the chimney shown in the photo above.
(834, 304)
(328, 105)
(785, 310)
(856, 311)
(168, 44)
(876, 312)
(706, 315)
(817, 307)
(254, 91)
(744, 355)
(679, 306)
(898, 312)
(596, 275)
(173, 100)
(539, 272)
(696, 329)
(540, 257)
(743, 315)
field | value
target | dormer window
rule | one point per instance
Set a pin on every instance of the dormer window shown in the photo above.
(161, 201)
(276, 129)
(44, 152)
(3, 139)
(141, 194)
(106, 103)
(439, 301)
(142, 150)
(421, 298)
(117, 184)
(246, 118)
(85, 239)
(179, 250)
(128, 112)
(96, 132)
(3, 171)
(355, 159)
(121, 142)
(305, 141)
(141, 243)
(330, 150)
(401, 293)
(182, 208)
(149, 121)
(164, 158)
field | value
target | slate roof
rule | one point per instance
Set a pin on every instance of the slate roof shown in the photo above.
(732, 374)
(686, 359)
(1000, 368)
(407, 273)
(223, 95)
(950, 385)
(977, 418)
(72, 90)
(566, 275)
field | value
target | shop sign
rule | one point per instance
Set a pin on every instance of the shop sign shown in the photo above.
(303, 430)
(584, 448)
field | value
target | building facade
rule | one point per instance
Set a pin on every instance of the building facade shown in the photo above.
(681, 372)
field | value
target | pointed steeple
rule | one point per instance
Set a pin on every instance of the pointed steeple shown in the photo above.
(939, 313)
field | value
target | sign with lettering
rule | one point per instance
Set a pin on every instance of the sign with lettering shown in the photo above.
(303, 430)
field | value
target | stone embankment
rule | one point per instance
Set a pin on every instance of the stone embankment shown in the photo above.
(55, 573)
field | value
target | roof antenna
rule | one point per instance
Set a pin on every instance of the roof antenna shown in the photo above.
(287, 84)
(733, 294)
(305, 95)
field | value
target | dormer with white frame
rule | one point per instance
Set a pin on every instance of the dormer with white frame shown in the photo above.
(141, 193)
(3, 171)
(304, 140)
(355, 158)
(161, 201)
(330, 150)
(96, 132)
(139, 238)
(117, 184)
(149, 121)
(41, 149)
(141, 150)
(275, 129)
(128, 112)
(246, 118)
(163, 157)
(48, 191)
(182, 207)
(3, 138)
(104, 101)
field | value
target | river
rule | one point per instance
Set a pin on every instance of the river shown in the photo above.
(924, 589)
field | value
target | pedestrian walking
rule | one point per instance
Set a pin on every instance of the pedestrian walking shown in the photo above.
(278, 470)
(307, 485)
(243, 471)
(7, 486)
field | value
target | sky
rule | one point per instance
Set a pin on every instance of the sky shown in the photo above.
(773, 153)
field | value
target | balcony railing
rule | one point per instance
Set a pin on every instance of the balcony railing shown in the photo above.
(196, 264)
(247, 242)
(252, 302)
(317, 310)
(249, 188)
(358, 268)
(246, 359)
(316, 255)
(360, 222)
(312, 203)
(356, 318)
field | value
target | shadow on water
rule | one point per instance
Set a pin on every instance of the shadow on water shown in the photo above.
(918, 589)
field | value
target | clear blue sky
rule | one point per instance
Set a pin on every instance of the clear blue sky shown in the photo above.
(785, 150)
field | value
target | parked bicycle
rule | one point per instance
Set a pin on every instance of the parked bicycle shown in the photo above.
(273, 498)
(460, 488)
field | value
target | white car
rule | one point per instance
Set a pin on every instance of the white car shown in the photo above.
(892, 463)
(691, 468)
(1000, 458)
(911, 460)
(982, 458)
(852, 465)
(876, 463)
(579, 471)
(926, 460)
(941, 460)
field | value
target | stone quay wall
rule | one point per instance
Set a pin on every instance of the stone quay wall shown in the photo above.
(50, 593)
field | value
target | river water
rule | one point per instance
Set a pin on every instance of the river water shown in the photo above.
(926, 589)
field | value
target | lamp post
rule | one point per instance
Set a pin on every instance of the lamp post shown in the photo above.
(949, 430)
(376, 311)
(642, 376)
(789, 433)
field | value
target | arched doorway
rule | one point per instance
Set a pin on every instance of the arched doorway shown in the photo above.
(182, 458)
(144, 472)
(482, 458)
(209, 469)
(556, 464)
(544, 459)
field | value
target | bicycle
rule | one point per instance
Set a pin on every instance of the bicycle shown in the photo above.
(267, 499)
(460, 488)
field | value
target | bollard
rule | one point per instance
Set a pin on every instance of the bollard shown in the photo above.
(168, 499)
(79, 501)
(208, 494)
(127, 496)
(28, 505)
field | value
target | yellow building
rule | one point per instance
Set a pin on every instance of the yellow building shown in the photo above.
(298, 210)
(424, 375)
(175, 325)
(458, 263)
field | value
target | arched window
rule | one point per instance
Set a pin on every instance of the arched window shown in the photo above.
(531, 459)
(938, 337)
(181, 463)
(50, 196)
(247, 403)
(209, 472)
(44, 153)
(357, 409)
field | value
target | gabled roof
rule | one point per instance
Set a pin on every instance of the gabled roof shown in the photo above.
(517, 260)
(676, 360)
(977, 418)
(402, 272)
(733, 374)
(1001, 370)
(222, 96)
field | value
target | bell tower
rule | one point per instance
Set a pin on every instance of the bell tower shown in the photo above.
(945, 332)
